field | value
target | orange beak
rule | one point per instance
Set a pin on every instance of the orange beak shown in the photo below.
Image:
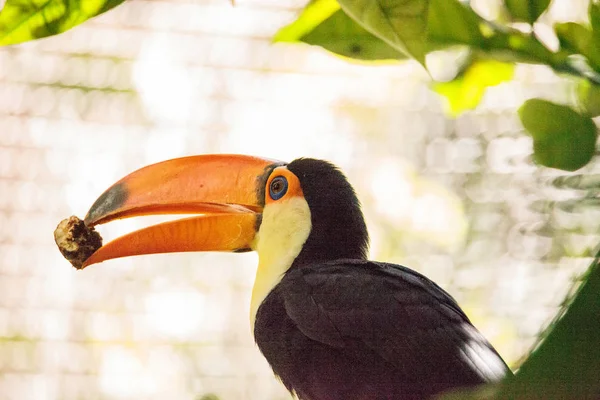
(224, 190)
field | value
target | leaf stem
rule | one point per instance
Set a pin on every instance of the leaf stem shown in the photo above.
(504, 43)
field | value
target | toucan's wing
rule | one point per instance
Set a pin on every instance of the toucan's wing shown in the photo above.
(390, 310)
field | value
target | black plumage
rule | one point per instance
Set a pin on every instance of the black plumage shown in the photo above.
(356, 329)
(339, 327)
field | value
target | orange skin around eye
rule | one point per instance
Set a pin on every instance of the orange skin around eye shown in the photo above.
(294, 188)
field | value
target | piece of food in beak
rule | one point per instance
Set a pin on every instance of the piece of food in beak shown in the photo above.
(76, 241)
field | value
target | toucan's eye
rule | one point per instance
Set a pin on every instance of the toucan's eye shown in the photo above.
(278, 187)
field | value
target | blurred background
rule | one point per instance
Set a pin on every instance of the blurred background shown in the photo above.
(456, 199)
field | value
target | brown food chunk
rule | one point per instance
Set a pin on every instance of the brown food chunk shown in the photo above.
(76, 241)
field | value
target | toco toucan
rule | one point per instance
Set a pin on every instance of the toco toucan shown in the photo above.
(332, 324)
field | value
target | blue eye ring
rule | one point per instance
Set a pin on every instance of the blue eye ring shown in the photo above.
(278, 187)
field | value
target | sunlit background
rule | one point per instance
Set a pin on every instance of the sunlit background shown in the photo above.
(456, 199)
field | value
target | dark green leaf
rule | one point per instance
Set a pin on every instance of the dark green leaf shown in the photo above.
(466, 90)
(594, 54)
(452, 22)
(594, 13)
(573, 37)
(401, 23)
(515, 46)
(526, 10)
(562, 138)
(566, 363)
(588, 98)
(579, 39)
(342, 35)
(23, 20)
(322, 23)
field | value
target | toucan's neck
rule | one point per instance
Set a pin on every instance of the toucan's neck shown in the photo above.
(333, 240)
(284, 229)
(338, 226)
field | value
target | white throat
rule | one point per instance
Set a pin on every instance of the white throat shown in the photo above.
(284, 229)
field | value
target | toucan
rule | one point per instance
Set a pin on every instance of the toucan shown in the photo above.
(332, 324)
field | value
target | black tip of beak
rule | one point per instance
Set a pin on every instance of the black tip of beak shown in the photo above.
(110, 200)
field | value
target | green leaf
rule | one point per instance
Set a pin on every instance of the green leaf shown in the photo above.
(466, 90)
(588, 98)
(579, 39)
(23, 20)
(514, 46)
(342, 35)
(312, 16)
(573, 36)
(594, 13)
(452, 22)
(565, 365)
(401, 23)
(526, 10)
(322, 23)
(562, 138)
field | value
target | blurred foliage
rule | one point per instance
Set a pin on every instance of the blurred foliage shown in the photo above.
(577, 38)
(466, 90)
(338, 33)
(402, 24)
(209, 396)
(526, 11)
(23, 20)
(588, 96)
(402, 29)
(566, 362)
(379, 30)
(563, 138)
